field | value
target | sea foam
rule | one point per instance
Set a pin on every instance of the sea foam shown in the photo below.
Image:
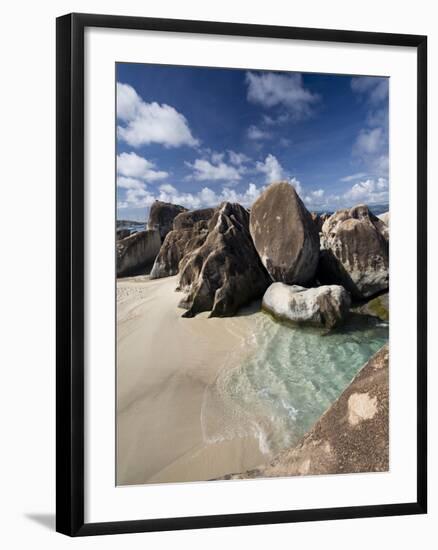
(287, 379)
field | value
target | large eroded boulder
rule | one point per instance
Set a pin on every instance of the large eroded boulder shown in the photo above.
(285, 235)
(122, 234)
(326, 306)
(352, 436)
(355, 252)
(186, 220)
(161, 216)
(189, 233)
(225, 272)
(137, 251)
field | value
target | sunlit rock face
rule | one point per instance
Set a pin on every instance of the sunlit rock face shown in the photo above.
(190, 229)
(161, 216)
(285, 235)
(326, 306)
(224, 273)
(186, 220)
(355, 252)
(137, 251)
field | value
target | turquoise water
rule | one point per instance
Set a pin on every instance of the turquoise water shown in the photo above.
(287, 380)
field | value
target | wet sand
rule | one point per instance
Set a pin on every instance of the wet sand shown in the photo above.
(165, 364)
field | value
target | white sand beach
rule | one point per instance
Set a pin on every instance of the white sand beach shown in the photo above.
(201, 398)
(165, 364)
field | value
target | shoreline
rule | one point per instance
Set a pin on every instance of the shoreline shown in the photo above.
(161, 386)
(194, 399)
(360, 414)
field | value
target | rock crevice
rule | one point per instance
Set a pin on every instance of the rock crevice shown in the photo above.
(355, 252)
(225, 272)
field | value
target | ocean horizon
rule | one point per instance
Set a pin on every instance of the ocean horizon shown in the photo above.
(141, 225)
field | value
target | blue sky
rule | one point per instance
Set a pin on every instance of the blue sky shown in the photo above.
(197, 136)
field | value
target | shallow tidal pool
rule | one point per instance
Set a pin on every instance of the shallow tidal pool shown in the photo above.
(289, 377)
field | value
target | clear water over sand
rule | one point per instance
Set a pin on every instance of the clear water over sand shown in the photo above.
(291, 376)
(201, 398)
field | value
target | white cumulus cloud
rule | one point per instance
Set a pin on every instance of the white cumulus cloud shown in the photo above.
(371, 149)
(132, 165)
(206, 197)
(130, 183)
(255, 133)
(353, 177)
(371, 146)
(144, 123)
(271, 168)
(298, 187)
(168, 188)
(128, 102)
(274, 172)
(374, 89)
(315, 199)
(276, 89)
(370, 191)
(315, 196)
(204, 170)
(136, 193)
(237, 158)
(369, 141)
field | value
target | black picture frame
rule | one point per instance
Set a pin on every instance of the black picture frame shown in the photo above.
(70, 273)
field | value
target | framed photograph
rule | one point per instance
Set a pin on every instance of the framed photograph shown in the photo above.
(237, 341)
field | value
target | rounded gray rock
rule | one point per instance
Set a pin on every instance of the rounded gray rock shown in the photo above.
(137, 251)
(190, 229)
(161, 216)
(355, 252)
(284, 234)
(325, 306)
